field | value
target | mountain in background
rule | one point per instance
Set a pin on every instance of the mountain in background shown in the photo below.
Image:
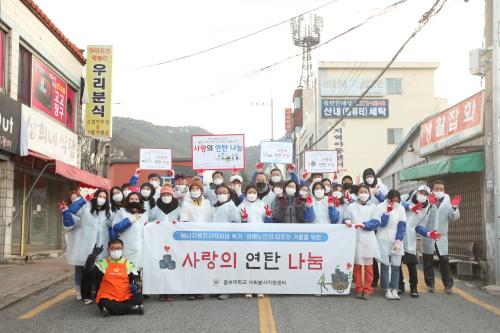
(129, 135)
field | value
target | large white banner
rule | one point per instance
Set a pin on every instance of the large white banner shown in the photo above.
(155, 159)
(220, 258)
(279, 152)
(218, 152)
(321, 161)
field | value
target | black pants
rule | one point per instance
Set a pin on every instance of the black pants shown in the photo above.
(121, 308)
(410, 260)
(87, 284)
(376, 274)
(444, 268)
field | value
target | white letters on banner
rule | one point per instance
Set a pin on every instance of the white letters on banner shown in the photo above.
(155, 159)
(321, 160)
(276, 152)
(224, 258)
(218, 152)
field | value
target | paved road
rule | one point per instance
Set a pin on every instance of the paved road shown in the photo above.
(432, 312)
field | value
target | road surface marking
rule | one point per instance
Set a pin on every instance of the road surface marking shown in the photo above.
(44, 306)
(266, 318)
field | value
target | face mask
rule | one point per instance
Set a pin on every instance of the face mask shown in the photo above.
(363, 197)
(195, 194)
(218, 181)
(155, 183)
(290, 191)
(316, 180)
(303, 194)
(278, 191)
(236, 187)
(421, 198)
(320, 194)
(118, 197)
(370, 180)
(251, 197)
(222, 197)
(439, 195)
(276, 179)
(145, 193)
(126, 193)
(261, 186)
(337, 194)
(116, 254)
(166, 199)
(328, 189)
(134, 205)
(101, 202)
(180, 188)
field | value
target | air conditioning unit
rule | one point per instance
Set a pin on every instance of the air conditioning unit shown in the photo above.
(476, 62)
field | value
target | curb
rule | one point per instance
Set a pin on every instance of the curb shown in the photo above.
(28, 294)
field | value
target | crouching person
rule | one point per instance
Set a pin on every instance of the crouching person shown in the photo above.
(117, 281)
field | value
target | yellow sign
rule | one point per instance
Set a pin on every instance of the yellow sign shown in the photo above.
(98, 110)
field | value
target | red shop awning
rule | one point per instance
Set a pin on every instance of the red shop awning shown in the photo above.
(85, 178)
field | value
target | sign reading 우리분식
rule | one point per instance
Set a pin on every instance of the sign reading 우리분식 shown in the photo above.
(218, 152)
(155, 159)
(225, 258)
(321, 160)
(279, 152)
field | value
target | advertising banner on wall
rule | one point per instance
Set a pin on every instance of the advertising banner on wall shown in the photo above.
(218, 152)
(321, 160)
(278, 152)
(340, 86)
(98, 108)
(10, 124)
(348, 108)
(225, 258)
(155, 159)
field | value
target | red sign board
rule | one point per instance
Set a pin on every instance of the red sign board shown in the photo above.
(288, 121)
(456, 124)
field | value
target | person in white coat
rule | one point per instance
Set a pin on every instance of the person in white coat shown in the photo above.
(443, 211)
(340, 200)
(128, 225)
(209, 191)
(390, 241)
(195, 207)
(224, 209)
(321, 209)
(94, 220)
(167, 207)
(181, 189)
(148, 194)
(365, 217)
(417, 214)
(252, 209)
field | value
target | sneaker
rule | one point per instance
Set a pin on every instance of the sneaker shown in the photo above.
(137, 309)
(395, 294)
(401, 290)
(431, 289)
(448, 291)
(104, 312)
(78, 296)
(87, 301)
(366, 296)
(223, 297)
(414, 293)
(248, 296)
(260, 295)
(359, 295)
(389, 295)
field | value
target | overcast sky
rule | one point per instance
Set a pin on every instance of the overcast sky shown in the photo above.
(147, 31)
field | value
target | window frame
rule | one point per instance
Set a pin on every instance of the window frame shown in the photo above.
(391, 136)
(393, 91)
(20, 96)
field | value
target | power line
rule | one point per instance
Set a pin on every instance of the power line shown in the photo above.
(190, 55)
(433, 11)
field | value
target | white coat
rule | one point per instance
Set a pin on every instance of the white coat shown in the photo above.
(366, 241)
(94, 231)
(228, 212)
(386, 236)
(191, 212)
(269, 199)
(210, 194)
(412, 221)
(132, 237)
(74, 238)
(157, 214)
(342, 211)
(382, 188)
(256, 211)
(321, 213)
(439, 218)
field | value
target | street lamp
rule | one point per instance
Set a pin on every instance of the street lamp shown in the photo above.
(272, 113)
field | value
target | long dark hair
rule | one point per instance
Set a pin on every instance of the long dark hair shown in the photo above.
(127, 200)
(105, 207)
(114, 206)
(151, 198)
(342, 189)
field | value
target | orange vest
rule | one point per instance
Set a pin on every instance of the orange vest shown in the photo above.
(115, 284)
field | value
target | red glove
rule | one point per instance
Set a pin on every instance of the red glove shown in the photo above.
(416, 209)
(200, 172)
(235, 171)
(291, 167)
(457, 199)
(306, 175)
(434, 234)
(244, 215)
(335, 175)
(170, 173)
(347, 196)
(89, 197)
(309, 201)
(62, 207)
(359, 226)
(174, 221)
(348, 223)
(390, 206)
(137, 171)
(432, 199)
(331, 200)
(259, 166)
(269, 213)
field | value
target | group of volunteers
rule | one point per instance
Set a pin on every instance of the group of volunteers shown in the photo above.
(104, 233)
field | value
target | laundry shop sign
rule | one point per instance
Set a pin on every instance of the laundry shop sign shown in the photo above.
(10, 124)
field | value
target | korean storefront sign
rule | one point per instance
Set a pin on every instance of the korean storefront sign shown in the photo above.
(48, 91)
(454, 125)
(98, 108)
(155, 159)
(218, 152)
(321, 160)
(276, 152)
(333, 86)
(10, 124)
(365, 108)
(219, 258)
(47, 137)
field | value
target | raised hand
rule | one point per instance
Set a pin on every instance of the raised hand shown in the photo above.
(306, 175)
(347, 196)
(417, 208)
(199, 172)
(97, 250)
(137, 171)
(269, 213)
(259, 167)
(291, 167)
(455, 202)
(309, 201)
(235, 171)
(432, 199)
(434, 234)
(62, 207)
(244, 215)
(390, 206)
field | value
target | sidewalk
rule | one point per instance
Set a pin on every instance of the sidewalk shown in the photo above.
(21, 279)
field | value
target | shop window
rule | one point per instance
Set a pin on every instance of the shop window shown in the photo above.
(24, 83)
(393, 86)
(394, 136)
